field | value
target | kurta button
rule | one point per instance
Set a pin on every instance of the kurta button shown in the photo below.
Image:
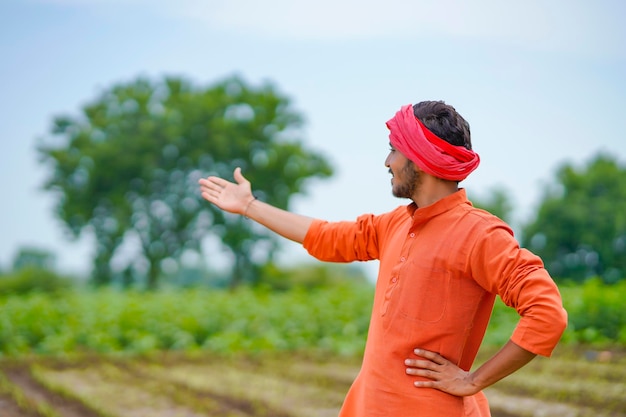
(394, 279)
(403, 259)
(412, 235)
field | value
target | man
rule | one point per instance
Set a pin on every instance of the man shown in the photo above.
(442, 262)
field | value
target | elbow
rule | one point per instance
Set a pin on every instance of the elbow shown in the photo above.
(557, 324)
(561, 322)
(540, 333)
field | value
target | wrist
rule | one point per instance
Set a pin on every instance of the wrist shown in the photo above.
(252, 200)
(475, 381)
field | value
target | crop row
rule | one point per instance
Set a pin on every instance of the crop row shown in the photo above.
(331, 319)
(278, 385)
(219, 321)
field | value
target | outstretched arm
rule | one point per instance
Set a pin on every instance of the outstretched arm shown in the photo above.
(238, 198)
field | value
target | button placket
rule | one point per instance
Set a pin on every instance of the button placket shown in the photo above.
(395, 279)
(393, 282)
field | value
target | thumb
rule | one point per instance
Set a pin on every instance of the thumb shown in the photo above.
(238, 176)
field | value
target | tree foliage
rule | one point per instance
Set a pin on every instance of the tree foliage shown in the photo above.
(30, 278)
(126, 169)
(29, 256)
(580, 229)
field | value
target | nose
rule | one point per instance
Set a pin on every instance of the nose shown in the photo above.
(387, 160)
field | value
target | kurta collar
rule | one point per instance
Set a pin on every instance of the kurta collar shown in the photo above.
(441, 206)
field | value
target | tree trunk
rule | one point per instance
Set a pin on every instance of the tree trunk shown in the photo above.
(101, 274)
(237, 276)
(153, 275)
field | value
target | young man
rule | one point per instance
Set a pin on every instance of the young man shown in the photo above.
(442, 262)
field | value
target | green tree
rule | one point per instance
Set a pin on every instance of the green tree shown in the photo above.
(33, 257)
(580, 229)
(32, 278)
(126, 169)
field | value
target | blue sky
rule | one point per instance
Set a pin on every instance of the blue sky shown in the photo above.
(541, 84)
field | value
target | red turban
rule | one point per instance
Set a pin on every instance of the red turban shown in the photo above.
(430, 153)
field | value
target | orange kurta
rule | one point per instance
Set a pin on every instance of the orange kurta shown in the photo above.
(441, 267)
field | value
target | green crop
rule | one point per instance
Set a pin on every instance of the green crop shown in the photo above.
(217, 320)
(330, 319)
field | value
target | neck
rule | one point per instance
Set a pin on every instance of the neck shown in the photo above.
(433, 189)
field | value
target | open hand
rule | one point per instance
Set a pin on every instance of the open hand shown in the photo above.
(228, 196)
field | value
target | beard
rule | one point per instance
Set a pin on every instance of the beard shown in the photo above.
(412, 180)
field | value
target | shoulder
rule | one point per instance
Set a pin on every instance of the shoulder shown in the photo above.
(482, 215)
(484, 225)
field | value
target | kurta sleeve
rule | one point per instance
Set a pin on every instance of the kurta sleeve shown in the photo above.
(520, 279)
(343, 241)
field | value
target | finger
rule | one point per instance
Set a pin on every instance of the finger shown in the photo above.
(211, 193)
(425, 384)
(239, 176)
(424, 373)
(213, 182)
(435, 357)
(204, 181)
(418, 363)
(210, 197)
(211, 190)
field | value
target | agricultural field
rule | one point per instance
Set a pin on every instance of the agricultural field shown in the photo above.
(571, 384)
(195, 353)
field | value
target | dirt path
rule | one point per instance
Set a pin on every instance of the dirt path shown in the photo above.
(8, 408)
(36, 393)
(504, 405)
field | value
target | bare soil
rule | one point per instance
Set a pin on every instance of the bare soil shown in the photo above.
(571, 384)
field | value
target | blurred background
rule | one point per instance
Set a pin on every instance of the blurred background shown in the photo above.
(541, 84)
(112, 110)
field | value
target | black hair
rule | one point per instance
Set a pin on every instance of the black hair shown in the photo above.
(444, 121)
